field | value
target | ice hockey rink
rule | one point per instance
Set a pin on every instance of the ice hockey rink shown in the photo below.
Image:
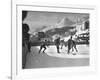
(51, 58)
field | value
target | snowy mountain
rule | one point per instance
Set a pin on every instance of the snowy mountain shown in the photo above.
(65, 22)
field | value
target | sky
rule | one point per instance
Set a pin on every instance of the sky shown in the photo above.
(39, 20)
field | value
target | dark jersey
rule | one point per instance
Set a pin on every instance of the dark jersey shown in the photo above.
(57, 41)
(45, 44)
(70, 42)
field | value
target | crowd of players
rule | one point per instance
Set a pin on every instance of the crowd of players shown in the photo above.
(70, 44)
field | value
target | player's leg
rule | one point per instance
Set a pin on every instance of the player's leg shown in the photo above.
(75, 47)
(44, 49)
(61, 45)
(57, 48)
(68, 49)
(72, 48)
(40, 48)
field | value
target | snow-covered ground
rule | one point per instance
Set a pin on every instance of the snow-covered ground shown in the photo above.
(52, 59)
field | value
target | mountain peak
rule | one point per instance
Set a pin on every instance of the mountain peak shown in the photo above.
(65, 22)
